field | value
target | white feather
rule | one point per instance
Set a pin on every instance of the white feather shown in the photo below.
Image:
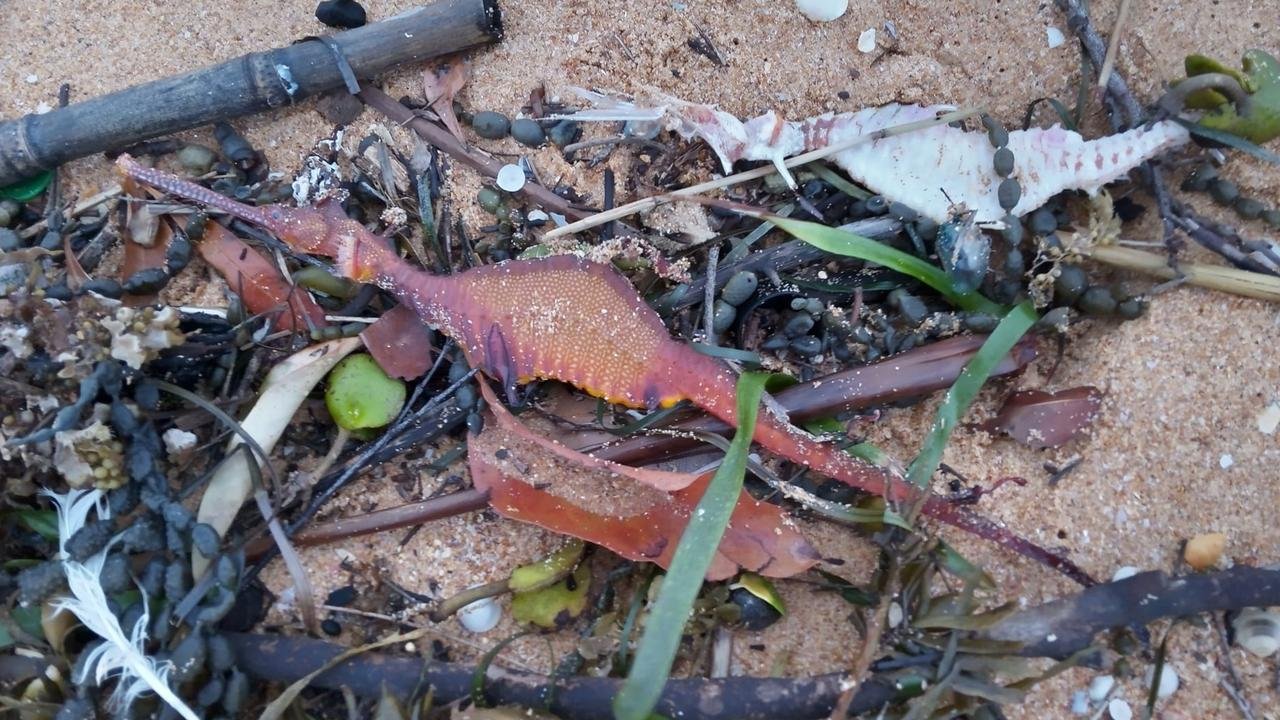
(121, 656)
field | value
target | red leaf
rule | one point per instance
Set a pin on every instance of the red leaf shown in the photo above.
(257, 281)
(400, 342)
(1046, 420)
(533, 479)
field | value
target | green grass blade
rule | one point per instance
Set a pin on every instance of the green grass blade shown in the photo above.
(843, 242)
(965, 389)
(661, 638)
(1233, 141)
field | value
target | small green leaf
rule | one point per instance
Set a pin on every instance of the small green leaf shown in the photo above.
(27, 189)
(1260, 122)
(28, 619)
(761, 588)
(843, 242)
(547, 571)
(44, 522)
(361, 395)
(555, 605)
(661, 639)
(960, 566)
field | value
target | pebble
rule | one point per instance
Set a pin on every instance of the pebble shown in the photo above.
(480, 616)
(489, 199)
(9, 240)
(1203, 551)
(528, 132)
(344, 14)
(490, 125)
(1100, 687)
(825, 11)
(511, 178)
(196, 159)
(1119, 710)
(331, 627)
(565, 132)
(807, 345)
(740, 287)
(1168, 680)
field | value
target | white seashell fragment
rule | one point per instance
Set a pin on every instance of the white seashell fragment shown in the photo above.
(1258, 631)
(1054, 36)
(480, 616)
(511, 178)
(822, 10)
(1119, 710)
(1079, 703)
(1100, 688)
(1168, 681)
(1269, 419)
(867, 40)
(1124, 573)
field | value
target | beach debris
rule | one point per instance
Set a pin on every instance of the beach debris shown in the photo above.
(511, 178)
(1054, 37)
(1203, 551)
(867, 40)
(1258, 631)
(480, 616)
(1041, 419)
(1100, 688)
(441, 83)
(931, 170)
(258, 282)
(341, 14)
(400, 342)
(1119, 709)
(1269, 418)
(822, 10)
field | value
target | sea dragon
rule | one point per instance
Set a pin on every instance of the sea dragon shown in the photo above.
(579, 322)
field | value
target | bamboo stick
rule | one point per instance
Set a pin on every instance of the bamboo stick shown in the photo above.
(248, 84)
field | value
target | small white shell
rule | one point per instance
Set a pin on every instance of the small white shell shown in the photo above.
(822, 10)
(1258, 631)
(1079, 703)
(511, 178)
(1119, 710)
(480, 616)
(1100, 687)
(867, 40)
(1168, 680)
(1124, 573)
(1054, 36)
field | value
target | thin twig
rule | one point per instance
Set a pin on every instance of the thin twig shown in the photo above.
(1114, 46)
(1214, 277)
(653, 201)
(1231, 684)
(709, 295)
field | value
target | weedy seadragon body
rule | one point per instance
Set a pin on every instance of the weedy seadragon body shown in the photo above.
(929, 170)
(579, 322)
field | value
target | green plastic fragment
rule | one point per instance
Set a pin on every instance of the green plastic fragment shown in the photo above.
(547, 571)
(554, 606)
(1260, 78)
(27, 189)
(360, 395)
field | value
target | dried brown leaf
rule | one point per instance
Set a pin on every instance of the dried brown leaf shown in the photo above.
(258, 283)
(441, 82)
(400, 342)
(1046, 420)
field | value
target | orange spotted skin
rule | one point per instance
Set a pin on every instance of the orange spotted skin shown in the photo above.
(567, 319)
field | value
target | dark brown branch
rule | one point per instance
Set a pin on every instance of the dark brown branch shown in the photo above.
(1071, 623)
(247, 84)
(917, 372)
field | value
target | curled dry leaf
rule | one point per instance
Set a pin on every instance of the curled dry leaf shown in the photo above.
(400, 342)
(1046, 420)
(147, 237)
(286, 386)
(258, 283)
(535, 480)
(441, 82)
